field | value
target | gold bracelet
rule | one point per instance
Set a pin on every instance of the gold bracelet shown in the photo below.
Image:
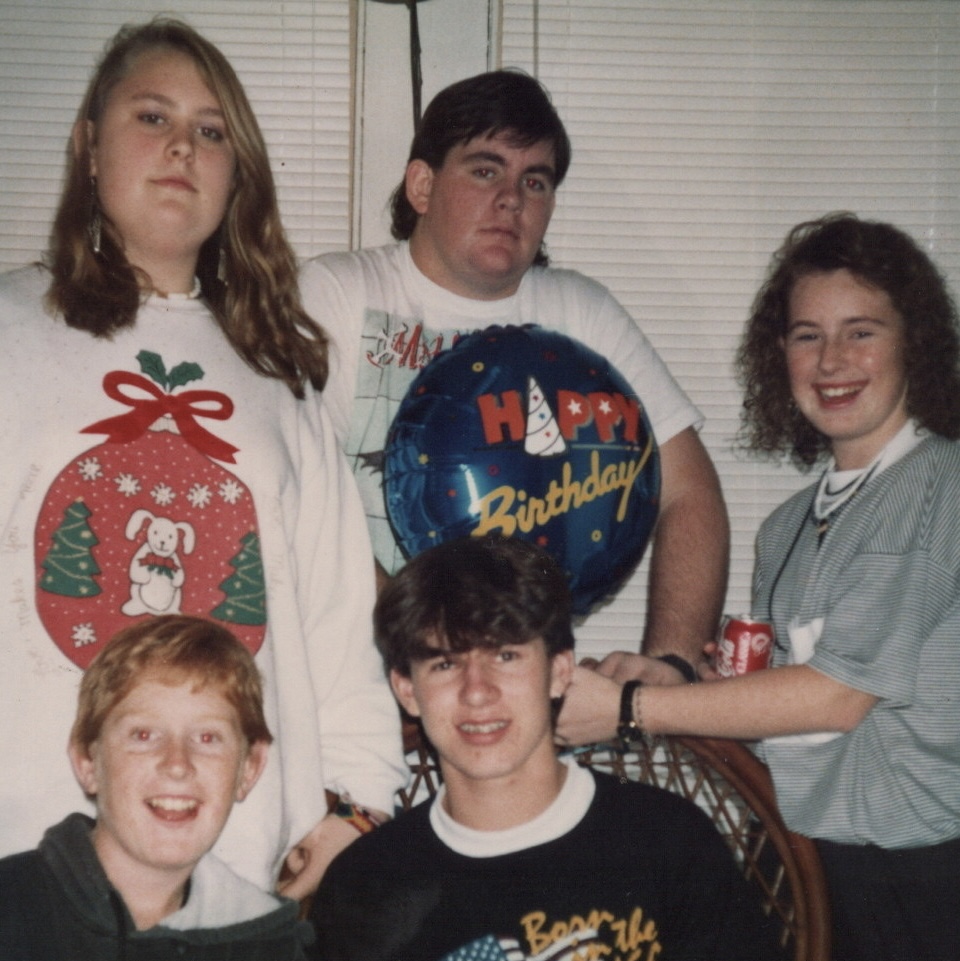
(637, 713)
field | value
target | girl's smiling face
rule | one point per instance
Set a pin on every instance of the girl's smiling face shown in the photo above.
(845, 358)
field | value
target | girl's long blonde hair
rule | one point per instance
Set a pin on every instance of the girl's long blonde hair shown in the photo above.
(257, 305)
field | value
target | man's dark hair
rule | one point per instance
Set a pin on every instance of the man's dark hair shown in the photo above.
(475, 592)
(507, 102)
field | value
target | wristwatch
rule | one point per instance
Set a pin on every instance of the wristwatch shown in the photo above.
(680, 664)
(629, 729)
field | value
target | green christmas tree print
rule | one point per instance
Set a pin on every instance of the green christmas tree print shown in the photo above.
(245, 592)
(69, 564)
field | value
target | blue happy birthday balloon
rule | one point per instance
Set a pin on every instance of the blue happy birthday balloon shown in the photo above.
(527, 433)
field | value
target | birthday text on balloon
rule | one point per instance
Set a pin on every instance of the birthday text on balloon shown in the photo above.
(503, 418)
(507, 509)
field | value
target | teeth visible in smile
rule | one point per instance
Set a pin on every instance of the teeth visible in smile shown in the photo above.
(487, 728)
(838, 391)
(172, 803)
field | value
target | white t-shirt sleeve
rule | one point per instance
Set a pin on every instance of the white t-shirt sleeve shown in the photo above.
(586, 310)
(332, 295)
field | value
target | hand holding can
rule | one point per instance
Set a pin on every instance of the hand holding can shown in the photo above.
(743, 645)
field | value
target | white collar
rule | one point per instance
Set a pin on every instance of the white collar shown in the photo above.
(838, 487)
(562, 816)
(219, 897)
(446, 302)
(193, 294)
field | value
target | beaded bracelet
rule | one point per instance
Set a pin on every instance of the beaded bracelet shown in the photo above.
(355, 815)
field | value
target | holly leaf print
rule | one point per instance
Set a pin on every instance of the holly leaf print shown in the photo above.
(152, 365)
(183, 374)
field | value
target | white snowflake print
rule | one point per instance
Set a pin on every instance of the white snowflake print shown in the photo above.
(127, 484)
(90, 469)
(163, 495)
(199, 495)
(231, 491)
(83, 634)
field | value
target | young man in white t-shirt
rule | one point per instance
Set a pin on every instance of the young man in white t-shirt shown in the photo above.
(470, 216)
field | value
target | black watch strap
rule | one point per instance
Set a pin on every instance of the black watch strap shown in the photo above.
(682, 665)
(628, 730)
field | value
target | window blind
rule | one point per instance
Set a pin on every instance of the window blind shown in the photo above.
(293, 58)
(702, 131)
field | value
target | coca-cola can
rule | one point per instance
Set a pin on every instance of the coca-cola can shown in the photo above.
(743, 645)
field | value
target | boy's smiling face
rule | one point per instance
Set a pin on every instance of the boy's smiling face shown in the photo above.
(169, 763)
(487, 711)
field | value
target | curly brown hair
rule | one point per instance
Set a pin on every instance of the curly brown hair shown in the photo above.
(884, 257)
(258, 307)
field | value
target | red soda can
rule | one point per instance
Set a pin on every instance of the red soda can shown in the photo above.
(743, 645)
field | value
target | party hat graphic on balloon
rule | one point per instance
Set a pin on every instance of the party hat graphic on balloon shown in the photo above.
(543, 438)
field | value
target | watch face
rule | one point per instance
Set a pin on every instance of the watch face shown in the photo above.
(629, 732)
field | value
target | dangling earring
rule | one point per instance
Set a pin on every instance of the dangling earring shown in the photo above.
(96, 223)
(222, 267)
(95, 227)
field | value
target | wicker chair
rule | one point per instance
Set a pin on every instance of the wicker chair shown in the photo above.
(726, 780)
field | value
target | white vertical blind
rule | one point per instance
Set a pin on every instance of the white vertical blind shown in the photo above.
(702, 131)
(293, 57)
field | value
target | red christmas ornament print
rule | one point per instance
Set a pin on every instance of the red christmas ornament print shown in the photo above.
(147, 523)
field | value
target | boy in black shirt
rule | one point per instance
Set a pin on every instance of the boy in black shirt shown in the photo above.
(522, 854)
